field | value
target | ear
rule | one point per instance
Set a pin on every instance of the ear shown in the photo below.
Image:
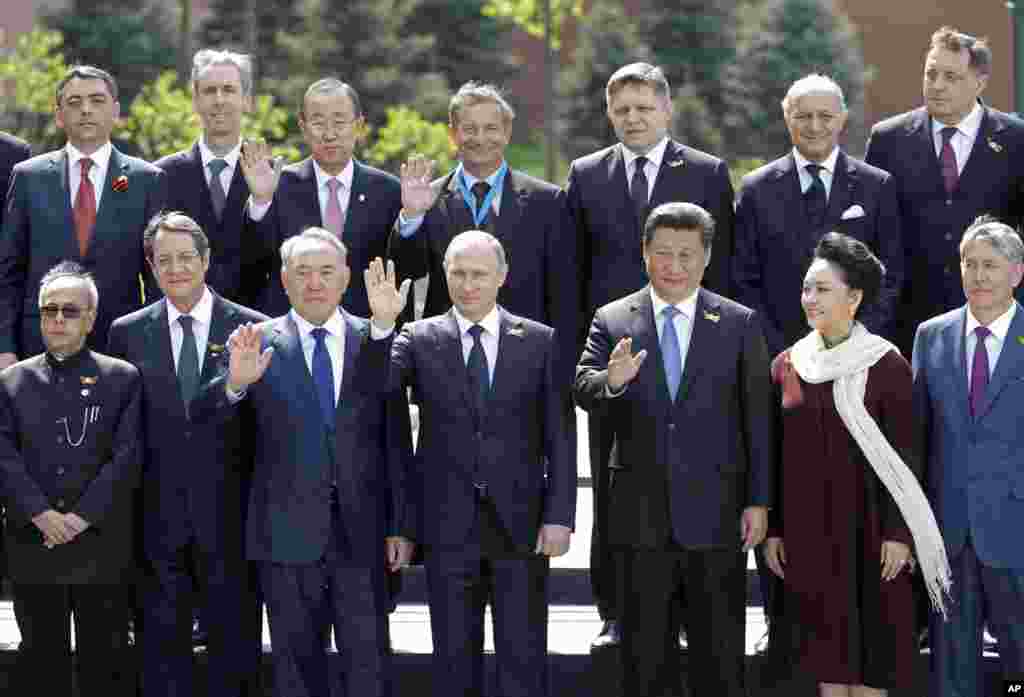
(856, 297)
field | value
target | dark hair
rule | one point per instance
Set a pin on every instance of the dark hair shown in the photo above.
(174, 221)
(979, 55)
(681, 216)
(859, 267)
(87, 72)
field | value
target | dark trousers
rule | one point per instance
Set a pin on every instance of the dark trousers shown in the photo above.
(170, 601)
(981, 594)
(461, 581)
(44, 664)
(714, 583)
(304, 600)
(603, 568)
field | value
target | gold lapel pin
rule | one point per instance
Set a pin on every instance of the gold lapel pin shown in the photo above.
(89, 380)
(216, 348)
(676, 163)
(713, 316)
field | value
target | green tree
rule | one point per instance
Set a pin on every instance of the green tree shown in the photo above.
(407, 132)
(529, 15)
(33, 68)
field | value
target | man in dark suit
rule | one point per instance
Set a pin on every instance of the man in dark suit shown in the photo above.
(12, 151)
(684, 376)
(609, 197)
(196, 474)
(327, 512)
(205, 181)
(86, 202)
(330, 190)
(70, 449)
(786, 206)
(528, 216)
(496, 485)
(968, 392)
(953, 159)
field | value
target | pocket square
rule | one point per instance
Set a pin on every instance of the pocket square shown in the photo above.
(854, 211)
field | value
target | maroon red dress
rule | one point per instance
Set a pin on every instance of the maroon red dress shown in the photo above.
(833, 514)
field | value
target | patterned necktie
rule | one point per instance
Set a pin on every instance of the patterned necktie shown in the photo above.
(815, 198)
(217, 194)
(638, 189)
(671, 354)
(335, 218)
(979, 371)
(188, 362)
(479, 374)
(323, 376)
(950, 174)
(84, 211)
(480, 190)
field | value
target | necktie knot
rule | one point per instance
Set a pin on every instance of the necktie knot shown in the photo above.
(670, 312)
(982, 332)
(480, 190)
(217, 166)
(86, 164)
(639, 164)
(186, 323)
(475, 331)
(947, 133)
(814, 170)
(333, 184)
(319, 335)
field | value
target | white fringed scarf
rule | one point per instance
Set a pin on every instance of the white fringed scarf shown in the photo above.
(847, 364)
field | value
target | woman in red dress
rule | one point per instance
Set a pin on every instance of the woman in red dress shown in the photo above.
(839, 539)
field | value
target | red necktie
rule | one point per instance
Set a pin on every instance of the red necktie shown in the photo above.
(950, 174)
(85, 208)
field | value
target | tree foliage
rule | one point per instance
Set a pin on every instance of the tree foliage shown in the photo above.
(34, 67)
(407, 132)
(529, 15)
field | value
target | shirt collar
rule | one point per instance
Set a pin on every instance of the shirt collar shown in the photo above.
(206, 154)
(491, 179)
(345, 176)
(969, 126)
(335, 324)
(100, 158)
(999, 326)
(655, 155)
(491, 321)
(202, 312)
(688, 306)
(829, 165)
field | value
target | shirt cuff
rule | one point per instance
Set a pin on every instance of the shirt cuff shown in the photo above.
(258, 210)
(407, 227)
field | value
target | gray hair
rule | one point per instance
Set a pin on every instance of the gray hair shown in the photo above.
(638, 74)
(74, 270)
(473, 93)
(1003, 238)
(677, 215)
(468, 238)
(207, 58)
(174, 221)
(329, 86)
(814, 83)
(311, 234)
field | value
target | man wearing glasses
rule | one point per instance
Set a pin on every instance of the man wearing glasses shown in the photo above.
(329, 190)
(70, 449)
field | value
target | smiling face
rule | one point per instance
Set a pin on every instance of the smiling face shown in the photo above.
(331, 128)
(828, 302)
(639, 116)
(481, 133)
(218, 100)
(989, 280)
(87, 113)
(951, 85)
(179, 268)
(815, 122)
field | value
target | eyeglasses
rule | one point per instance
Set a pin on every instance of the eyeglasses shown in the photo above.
(321, 128)
(185, 259)
(69, 312)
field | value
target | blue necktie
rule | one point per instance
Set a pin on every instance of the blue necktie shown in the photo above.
(670, 352)
(323, 376)
(479, 375)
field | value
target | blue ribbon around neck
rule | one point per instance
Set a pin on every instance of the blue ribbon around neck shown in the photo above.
(480, 214)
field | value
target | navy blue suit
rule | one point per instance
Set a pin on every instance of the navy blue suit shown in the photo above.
(39, 232)
(975, 482)
(321, 504)
(991, 182)
(775, 242)
(684, 472)
(481, 544)
(12, 151)
(373, 207)
(194, 495)
(188, 192)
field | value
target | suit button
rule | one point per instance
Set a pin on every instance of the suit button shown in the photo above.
(60, 504)
(949, 202)
(188, 434)
(949, 236)
(671, 427)
(60, 440)
(479, 435)
(60, 471)
(947, 270)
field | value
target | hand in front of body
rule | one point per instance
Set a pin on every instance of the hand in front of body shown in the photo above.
(398, 552)
(417, 195)
(775, 555)
(553, 540)
(247, 362)
(623, 365)
(262, 171)
(895, 558)
(51, 524)
(753, 526)
(386, 298)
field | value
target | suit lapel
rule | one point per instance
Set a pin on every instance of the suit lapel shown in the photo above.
(286, 343)
(787, 191)
(510, 332)
(1010, 364)
(110, 200)
(618, 191)
(844, 182)
(238, 192)
(221, 325)
(921, 128)
(644, 332)
(703, 338)
(669, 182)
(459, 213)
(356, 215)
(197, 175)
(354, 339)
(981, 160)
(60, 188)
(158, 348)
(308, 202)
(451, 347)
(953, 337)
(512, 200)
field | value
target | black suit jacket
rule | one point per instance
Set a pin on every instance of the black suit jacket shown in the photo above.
(70, 441)
(607, 229)
(533, 227)
(685, 469)
(39, 232)
(12, 151)
(375, 201)
(992, 182)
(188, 192)
(195, 473)
(775, 242)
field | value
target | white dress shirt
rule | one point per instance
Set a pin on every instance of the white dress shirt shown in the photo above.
(827, 171)
(226, 174)
(257, 211)
(993, 342)
(488, 337)
(202, 316)
(97, 173)
(963, 140)
(654, 157)
(335, 341)
(683, 322)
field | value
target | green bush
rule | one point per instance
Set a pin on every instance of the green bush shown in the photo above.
(405, 133)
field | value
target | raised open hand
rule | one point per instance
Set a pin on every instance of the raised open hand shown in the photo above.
(623, 365)
(386, 299)
(262, 171)
(417, 195)
(247, 362)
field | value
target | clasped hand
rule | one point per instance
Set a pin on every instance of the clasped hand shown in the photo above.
(59, 528)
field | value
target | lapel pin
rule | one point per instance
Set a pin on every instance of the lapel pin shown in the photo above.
(120, 184)
(515, 331)
(994, 145)
(713, 316)
(216, 349)
(89, 380)
(676, 163)
(85, 392)
(1020, 340)
(362, 197)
